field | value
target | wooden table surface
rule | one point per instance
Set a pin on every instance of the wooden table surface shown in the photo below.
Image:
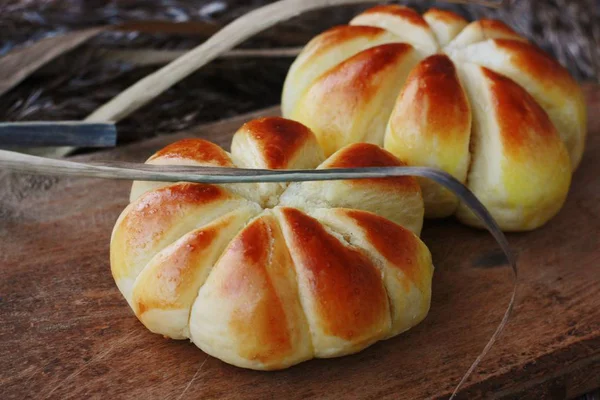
(66, 332)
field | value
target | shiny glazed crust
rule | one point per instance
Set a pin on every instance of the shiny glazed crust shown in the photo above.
(270, 275)
(414, 85)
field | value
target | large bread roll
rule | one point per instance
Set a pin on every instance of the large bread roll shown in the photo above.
(474, 99)
(267, 276)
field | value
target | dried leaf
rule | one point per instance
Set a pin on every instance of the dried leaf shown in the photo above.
(20, 63)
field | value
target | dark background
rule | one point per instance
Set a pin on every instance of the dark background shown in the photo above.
(74, 85)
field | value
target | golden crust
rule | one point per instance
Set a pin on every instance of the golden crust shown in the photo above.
(438, 97)
(541, 76)
(341, 289)
(405, 13)
(444, 24)
(278, 143)
(337, 35)
(404, 260)
(423, 106)
(274, 143)
(354, 74)
(148, 220)
(200, 151)
(398, 199)
(157, 219)
(203, 262)
(431, 126)
(249, 312)
(324, 52)
(364, 86)
(167, 287)
(178, 268)
(363, 155)
(520, 119)
(534, 61)
(482, 30)
(408, 26)
(192, 152)
(279, 139)
(494, 27)
(445, 16)
(520, 169)
(398, 245)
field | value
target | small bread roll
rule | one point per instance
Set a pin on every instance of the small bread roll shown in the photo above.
(267, 278)
(416, 95)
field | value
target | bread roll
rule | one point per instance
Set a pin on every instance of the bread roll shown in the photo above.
(412, 87)
(270, 277)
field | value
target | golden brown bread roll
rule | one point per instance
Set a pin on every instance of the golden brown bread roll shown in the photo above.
(474, 99)
(267, 276)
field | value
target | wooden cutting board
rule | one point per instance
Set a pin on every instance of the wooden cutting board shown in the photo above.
(66, 332)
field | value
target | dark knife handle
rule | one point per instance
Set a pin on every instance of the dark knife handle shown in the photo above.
(60, 133)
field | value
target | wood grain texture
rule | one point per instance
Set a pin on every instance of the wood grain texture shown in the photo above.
(66, 332)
